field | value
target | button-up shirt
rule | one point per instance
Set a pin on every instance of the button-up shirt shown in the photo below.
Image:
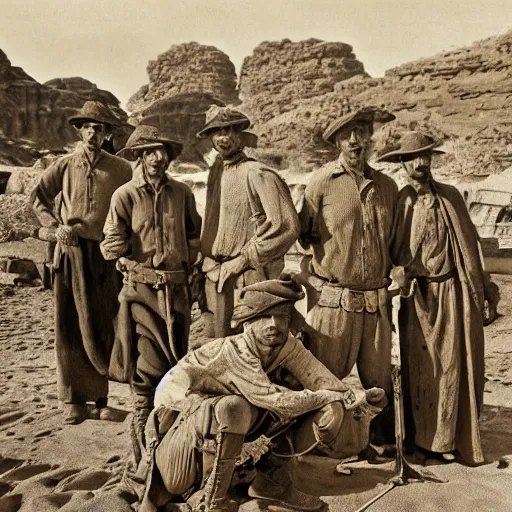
(86, 190)
(152, 226)
(348, 223)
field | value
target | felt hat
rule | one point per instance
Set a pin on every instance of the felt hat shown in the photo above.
(275, 296)
(411, 145)
(219, 117)
(145, 137)
(94, 111)
(365, 115)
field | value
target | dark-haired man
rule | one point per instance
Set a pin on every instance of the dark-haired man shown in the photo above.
(347, 221)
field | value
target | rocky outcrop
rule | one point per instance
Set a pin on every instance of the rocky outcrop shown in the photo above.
(290, 91)
(187, 68)
(463, 95)
(37, 113)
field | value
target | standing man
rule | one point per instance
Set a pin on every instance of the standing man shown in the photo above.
(153, 231)
(437, 244)
(250, 221)
(347, 221)
(85, 285)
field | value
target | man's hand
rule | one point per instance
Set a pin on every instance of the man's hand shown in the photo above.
(66, 235)
(399, 277)
(125, 265)
(231, 268)
(47, 234)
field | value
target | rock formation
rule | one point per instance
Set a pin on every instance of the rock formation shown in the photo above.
(187, 68)
(290, 92)
(464, 95)
(36, 114)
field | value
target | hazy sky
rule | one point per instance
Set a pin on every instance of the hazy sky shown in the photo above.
(110, 42)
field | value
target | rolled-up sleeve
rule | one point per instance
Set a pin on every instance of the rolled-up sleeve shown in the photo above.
(277, 222)
(117, 230)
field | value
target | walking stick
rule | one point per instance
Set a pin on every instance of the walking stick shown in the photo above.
(405, 472)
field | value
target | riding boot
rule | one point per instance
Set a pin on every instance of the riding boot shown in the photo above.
(274, 486)
(215, 497)
(143, 405)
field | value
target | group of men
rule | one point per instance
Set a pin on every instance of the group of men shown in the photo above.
(110, 221)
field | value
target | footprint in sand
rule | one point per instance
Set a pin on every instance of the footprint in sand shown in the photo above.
(8, 417)
(11, 503)
(25, 472)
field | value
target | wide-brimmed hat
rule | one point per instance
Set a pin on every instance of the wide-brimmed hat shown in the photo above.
(219, 117)
(411, 145)
(275, 296)
(94, 111)
(366, 115)
(145, 137)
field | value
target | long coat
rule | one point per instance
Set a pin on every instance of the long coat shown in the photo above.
(459, 316)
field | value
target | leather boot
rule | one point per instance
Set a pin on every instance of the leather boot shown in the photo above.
(215, 496)
(273, 485)
(143, 406)
(75, 414)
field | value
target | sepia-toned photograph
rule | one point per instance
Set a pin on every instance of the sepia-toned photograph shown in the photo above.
(255, 256)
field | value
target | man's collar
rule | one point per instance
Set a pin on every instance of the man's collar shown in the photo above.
(141, 181)
(235, 158)
(340, 168)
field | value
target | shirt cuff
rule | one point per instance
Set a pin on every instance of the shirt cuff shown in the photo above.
(250, 253)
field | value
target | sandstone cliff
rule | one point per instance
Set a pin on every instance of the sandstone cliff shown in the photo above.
(187, 68)
(35, 114)
(294, 90)
(289, 89)
(462, 95)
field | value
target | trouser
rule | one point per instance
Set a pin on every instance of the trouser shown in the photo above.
(85, 297)
(221, 305)
(176, 454)
(347, 338)
(154, 356)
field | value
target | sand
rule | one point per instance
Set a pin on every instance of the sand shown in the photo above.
(47, 466)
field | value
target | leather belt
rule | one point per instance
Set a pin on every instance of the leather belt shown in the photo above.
(440, 278)
(157, 278)
(333, 295)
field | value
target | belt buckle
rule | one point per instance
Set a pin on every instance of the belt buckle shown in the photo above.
(160, 280)
(356, 301)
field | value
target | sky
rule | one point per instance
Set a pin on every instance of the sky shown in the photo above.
(110, 42)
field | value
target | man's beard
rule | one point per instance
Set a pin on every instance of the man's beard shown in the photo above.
(355, 158)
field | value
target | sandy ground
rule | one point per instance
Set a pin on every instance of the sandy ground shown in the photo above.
(46, 466)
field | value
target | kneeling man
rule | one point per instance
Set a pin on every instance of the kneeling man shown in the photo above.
(223, 393)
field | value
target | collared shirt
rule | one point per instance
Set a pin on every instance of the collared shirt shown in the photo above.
(153, 227)
(249, 210)
(349, 226)
(85, 190)
(232, 366)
